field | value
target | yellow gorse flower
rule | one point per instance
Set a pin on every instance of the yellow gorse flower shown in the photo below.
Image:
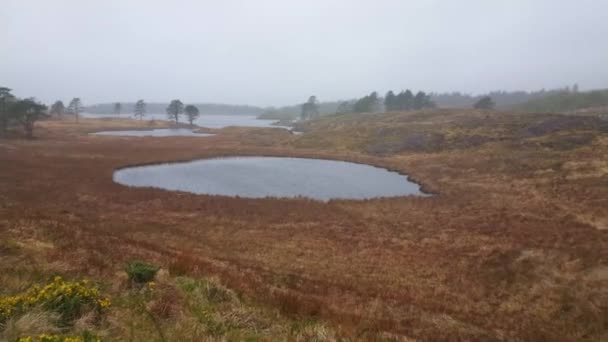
(53, 338)
(52, 294)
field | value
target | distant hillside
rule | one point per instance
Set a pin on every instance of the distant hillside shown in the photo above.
(503, 99)
(293, 111)
(204, 108)
(567, 101)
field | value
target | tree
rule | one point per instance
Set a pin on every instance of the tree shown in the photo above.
(421, 100)
(405, 100)
(117, 108)
(485, 102)
(140, 109)
(344, 107)
(192, 113)
(75, 107)
(6, 101)
(27, 112)
(175, 109)
(57, 109)
(390, 102)
(310, 109)
(366, 104)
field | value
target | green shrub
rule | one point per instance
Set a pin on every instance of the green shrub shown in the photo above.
(139, 272)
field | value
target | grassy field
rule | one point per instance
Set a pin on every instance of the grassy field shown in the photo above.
(512, 246)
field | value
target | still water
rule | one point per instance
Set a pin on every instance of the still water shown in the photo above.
(161, 132)
(209, 121)
(258, 177)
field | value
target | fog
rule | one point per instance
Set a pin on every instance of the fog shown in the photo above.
(280, 52)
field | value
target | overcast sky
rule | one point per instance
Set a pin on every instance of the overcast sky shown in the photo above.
(278, 52)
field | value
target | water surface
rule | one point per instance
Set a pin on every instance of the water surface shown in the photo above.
(209, 121)
(161, 132)
(257, 177)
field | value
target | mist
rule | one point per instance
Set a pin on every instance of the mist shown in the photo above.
(278, 53)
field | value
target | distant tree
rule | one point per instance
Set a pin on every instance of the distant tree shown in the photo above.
(310, 109)
(390, 101)
(485, 102)
(344, 107)
(140, 109)
(57, 109)
(405, 100)
(420, 100)
(117, 108)
(75, 107)
(366, 104)
(175, 109)
(192, 113)
(27, 112)
(6, 101)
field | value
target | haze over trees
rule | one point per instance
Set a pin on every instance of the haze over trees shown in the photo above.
(174, 110)
(192, 113)
(568, 100)
(502, 99)
(310, 109)
(57, 109)
(406, 100)
(485, 102)
(75, 107)
(140, 109)
(117, 108)
(6, 101)
(367, 104)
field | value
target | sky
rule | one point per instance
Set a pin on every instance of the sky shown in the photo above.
(279, 52)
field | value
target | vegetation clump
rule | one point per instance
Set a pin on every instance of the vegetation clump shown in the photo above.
(68, 299)
(86, 337)
(140, 272)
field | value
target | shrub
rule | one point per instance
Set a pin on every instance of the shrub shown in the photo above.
(86, 337)
(139, 272)
(68, 299)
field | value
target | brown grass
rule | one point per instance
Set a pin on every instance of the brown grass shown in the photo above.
(509, 248)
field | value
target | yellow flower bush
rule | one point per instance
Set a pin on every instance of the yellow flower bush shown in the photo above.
(58, 338)
(66, 298)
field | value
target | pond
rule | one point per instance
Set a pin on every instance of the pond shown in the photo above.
(161, 132)
(205, 120)
(258, 177)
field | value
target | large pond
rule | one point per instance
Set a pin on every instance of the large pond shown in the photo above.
(161, 132)
(258, 177)
(210, 121)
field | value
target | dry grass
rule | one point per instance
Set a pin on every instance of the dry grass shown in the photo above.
(509, 249)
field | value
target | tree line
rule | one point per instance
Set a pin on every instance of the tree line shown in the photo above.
(25, 112)
(174, 110)
(372, 103)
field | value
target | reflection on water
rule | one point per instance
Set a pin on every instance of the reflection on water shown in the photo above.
(257, 177)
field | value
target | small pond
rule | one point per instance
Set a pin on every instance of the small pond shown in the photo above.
(162, 132)
(258, 177)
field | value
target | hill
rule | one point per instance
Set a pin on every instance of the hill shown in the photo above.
(567, 101)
